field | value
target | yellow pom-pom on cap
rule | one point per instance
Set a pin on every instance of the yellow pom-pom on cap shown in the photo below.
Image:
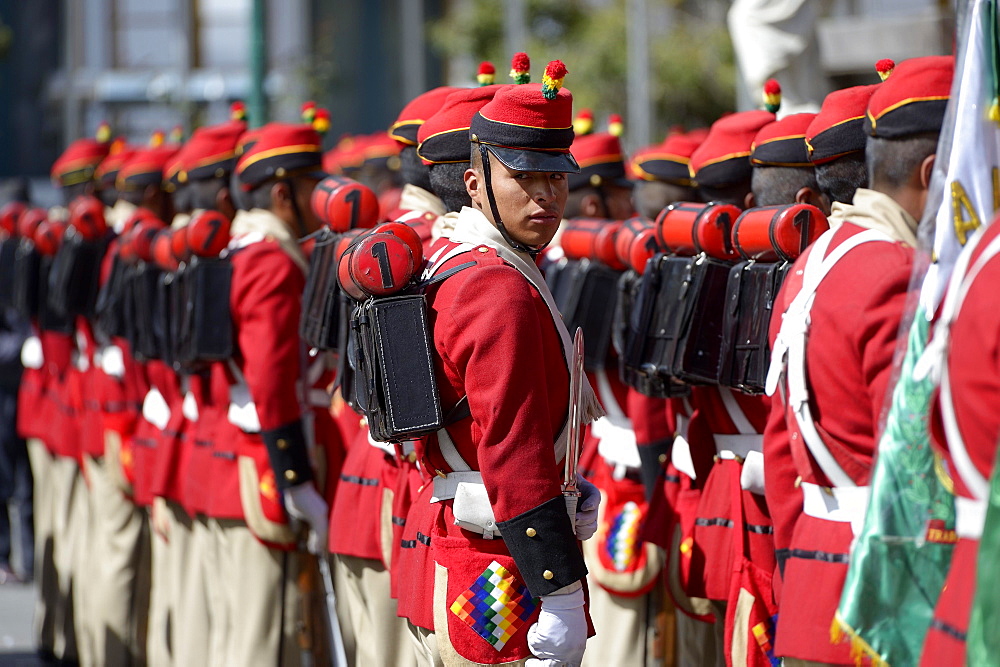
(772, 95)
(583, 124)
(884, 68)
(552, 80)
(487, 73)
(321, 121)
(238, 111)
(520, 68)
(103, 134)
(615, 125)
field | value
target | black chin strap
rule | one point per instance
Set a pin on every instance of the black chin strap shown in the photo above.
(299, 220)
(487, 175)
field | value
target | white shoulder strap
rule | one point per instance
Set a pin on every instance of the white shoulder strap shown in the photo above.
(735, 412)
(794, 335)
(439, 258)
(958, 289)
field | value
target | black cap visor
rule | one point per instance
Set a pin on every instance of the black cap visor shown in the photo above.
(525, 160)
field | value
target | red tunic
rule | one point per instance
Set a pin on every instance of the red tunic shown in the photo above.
(265, 305)
(973, 361)
(714, 549)
(852, 340)
(495, 343)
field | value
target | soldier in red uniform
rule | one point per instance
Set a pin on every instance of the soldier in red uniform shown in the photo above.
(270, 445)
(661, 172)
(203, 168)
(365, 522)
(601, 189)
(836, 141)
(965, 430)
(832, 387)
(509, 536)
(60, 493)
(724, 423)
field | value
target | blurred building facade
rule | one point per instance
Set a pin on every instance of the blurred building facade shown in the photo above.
(144, 65)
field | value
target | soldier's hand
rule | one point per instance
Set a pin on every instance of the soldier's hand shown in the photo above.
(559, 637)
(586, 509)
(303, 502)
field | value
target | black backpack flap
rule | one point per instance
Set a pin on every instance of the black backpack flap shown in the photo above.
(628, 289)
(402, 344)
(751, 354)
(211, 325)
(26, 273)
(731, 324)
(553, 274)
(319, 304)
(161, 318)
(8, 271)
(678, 286)
(698, 356)
(49, 319)
(593, 310)
(347, 345)
(181, 315)
(144, 311)
(109, 306)
(567, 287)
(75, 275)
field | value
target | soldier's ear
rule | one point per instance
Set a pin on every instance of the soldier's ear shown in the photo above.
(811, 196)
(926, 170)
(591, 206)
(474, 185)
(749, 201)
(224, 203)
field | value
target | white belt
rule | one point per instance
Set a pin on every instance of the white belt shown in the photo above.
(242, 410)
(732, 446)
(112, 361)
(845, 504)
(616, 443)
(970, 515)
(190, 407)
(389, 448)
(386, 447)
(471, 504)
(31, 353)
(155, 409)
(680, 456)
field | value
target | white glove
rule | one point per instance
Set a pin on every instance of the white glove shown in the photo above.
(304, 503)
(586, 509)
(559, 636)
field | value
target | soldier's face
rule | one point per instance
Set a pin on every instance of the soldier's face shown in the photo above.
(530, 203)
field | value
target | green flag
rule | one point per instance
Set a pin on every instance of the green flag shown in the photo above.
(901, 557)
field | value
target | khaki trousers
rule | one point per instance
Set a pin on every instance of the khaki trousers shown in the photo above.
(697, 644)
(192, 623)
(46, 576)
(118, 570)
(373, 633)
(625, 629)
(170, 564)
(69, 528)
(261, 606)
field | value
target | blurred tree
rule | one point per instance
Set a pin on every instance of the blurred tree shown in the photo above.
(6, 37)
(692, 58)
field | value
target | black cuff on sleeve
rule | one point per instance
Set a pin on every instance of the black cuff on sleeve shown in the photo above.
(544, 547)
(653, 462)
(286, 447)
